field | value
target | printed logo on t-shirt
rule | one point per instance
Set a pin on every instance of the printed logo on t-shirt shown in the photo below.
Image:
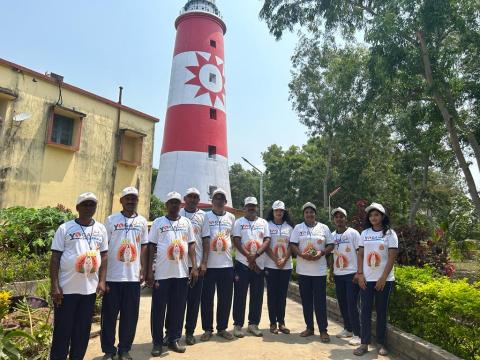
(95, 238)
(309, 249)
(175, 251)
(87, 263)
(220, 242)
(253, 246)
(341, 262)
(374, 259)
(127, 252)
(280, 248)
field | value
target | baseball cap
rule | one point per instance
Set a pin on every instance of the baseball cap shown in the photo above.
(278, 205)
(219, 191)
(340, 210)
(309, 205)
(375, 206)
(173, 196)
(251, 200)
(192, 190)
(129, 191)
(88, 196)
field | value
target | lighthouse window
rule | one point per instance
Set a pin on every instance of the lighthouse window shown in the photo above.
(212, 151)
(213, 114)
(213, 78)
(213, 43)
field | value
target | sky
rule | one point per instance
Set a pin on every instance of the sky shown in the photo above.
(100, 45)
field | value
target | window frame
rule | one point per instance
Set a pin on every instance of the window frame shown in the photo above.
(76, 116)
(131, 134)
(212, 155)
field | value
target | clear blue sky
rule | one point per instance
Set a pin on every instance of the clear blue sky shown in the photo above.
(99, 45)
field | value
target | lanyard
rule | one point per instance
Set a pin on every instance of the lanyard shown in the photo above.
(219, 221)
(251, 225)
(87, 238)
(279, 229)
(128, 226)
(308, 231)
(171, 225)
(193, 216)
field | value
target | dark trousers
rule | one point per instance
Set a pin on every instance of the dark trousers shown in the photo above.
(222, 280)
(347, 297)
(245, 278)
(171, 293)
(367, 297)
(313, 291)
(71, 328)
(277, 288)
(193, 305)
(123, 298)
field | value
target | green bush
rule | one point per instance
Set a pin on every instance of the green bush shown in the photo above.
(157, 208)
(25, 230)
(442, 311)
(21, 268)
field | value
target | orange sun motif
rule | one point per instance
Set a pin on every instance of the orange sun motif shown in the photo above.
(209, 78)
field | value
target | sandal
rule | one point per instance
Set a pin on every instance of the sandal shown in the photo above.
(361, 350)
(273, 329)
(324, 337)
(307, 332)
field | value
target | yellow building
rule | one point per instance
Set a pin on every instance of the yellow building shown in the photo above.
(57, 141)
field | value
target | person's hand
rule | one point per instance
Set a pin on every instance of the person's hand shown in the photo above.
(256, 268)
(281, 263)
(192, 280)
(149, 280)
(107, 289)
(141, 277)
(57, 295)
(202, 269)
(317, 256)
(306, 256)
(251, 258)
(360, 278)
(101, 287)
(380, 284)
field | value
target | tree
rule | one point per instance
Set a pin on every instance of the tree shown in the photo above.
(243, 183)
(430, 48)
(154, 178)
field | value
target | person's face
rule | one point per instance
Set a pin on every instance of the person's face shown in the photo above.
(251, 210)
(86, 209)
(173, 206)
(129, 202)
(339, 220)
(375, 217)
(278, 215)
(219, 201)
(191, 201)
(309, 215)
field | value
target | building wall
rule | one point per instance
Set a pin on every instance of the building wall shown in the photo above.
(35, 174)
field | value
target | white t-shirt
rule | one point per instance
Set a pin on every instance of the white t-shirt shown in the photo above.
(316, 237)
(375, 256)
(252, 234)
(200, 229)
(172, 238)
(221, 228)
(280, 235)
(125, 238)
(80, 261)
(345, 252)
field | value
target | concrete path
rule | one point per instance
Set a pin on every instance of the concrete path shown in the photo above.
(268, 347)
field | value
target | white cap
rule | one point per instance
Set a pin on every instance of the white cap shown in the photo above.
(278, 205)
(309, 205)
(251, 200)
(88, 196)
(375, 206)
(219, 191)
(340, 210)
(173, 196)
(192, 191)
(129, 191)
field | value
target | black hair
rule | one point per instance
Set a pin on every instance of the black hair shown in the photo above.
(385, 222)
(286, 217)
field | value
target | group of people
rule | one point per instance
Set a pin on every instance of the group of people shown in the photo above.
(189, 254)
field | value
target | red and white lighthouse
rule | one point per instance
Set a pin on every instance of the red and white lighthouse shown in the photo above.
(194, 151)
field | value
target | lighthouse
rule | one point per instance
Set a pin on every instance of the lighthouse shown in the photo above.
(194, 150)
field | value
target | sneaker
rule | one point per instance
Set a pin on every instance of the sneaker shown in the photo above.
(254, 330)
(225, 334)
(355, 341)
(238, 332)
(189, 339)
(109, 357)
(307, 332)
(344, 334)
(176, 347)
(124, 356)
(382, 350)
(207, 335)
(156, 351)
(274, 329)
(283, 329)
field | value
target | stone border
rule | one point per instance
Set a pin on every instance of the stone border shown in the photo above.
(408, 346)
(25, 288)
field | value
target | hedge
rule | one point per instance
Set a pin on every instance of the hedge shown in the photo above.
(442, 311)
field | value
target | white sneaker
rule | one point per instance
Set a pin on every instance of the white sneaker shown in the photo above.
(344, 334)
(237, 331)
(355, 341)
(254, 330)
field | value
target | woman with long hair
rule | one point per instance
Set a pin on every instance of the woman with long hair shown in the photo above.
(278, 265)
(378, 249)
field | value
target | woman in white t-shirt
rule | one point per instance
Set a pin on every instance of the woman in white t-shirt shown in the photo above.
(311, 241)
(378, 248)
(278, 265)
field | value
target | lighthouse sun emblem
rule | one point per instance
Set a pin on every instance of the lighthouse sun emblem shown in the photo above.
(208, 76)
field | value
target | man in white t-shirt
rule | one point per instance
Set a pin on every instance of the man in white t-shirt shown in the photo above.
(202, 241)
(127, 243)
(219, 275)
(172, 239)
(77, 271)
(251, 236)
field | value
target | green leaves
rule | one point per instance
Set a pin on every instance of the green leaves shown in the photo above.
(8, 349)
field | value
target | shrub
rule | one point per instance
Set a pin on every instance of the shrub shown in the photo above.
(157, 208)
(26, 230)
(443, 311)
(4, 303)
(22, 268)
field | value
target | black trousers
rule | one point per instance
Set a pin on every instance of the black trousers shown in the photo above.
(245, 278)
(220, 279)
(347, 297)
(193, 305)
(368, 296)
(171, 293)
(123, 298)
(277, 289)
(313, 291)
(71, 327)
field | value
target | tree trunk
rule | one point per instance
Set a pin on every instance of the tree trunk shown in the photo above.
(449, 123)
(472, 140)
(328, 171)
(416, 198)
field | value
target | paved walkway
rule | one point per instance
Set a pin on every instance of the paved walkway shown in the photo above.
(268, 347)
